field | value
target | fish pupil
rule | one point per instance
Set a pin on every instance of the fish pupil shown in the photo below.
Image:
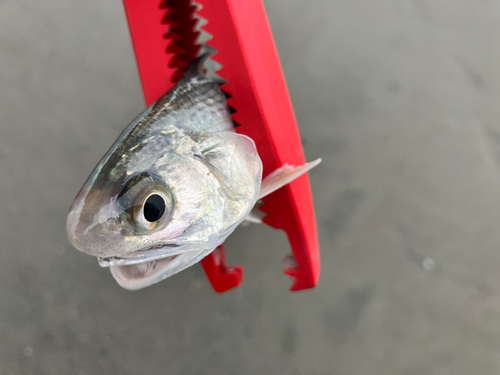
(154, 208)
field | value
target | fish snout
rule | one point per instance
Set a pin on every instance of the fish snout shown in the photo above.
(103, 239)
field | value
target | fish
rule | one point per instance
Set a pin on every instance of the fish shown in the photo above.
(173, 186)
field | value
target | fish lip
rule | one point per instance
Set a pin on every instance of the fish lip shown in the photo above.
(145, 255)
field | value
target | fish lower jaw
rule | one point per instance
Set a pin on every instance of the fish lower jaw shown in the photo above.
(129, 276)
(140, 275)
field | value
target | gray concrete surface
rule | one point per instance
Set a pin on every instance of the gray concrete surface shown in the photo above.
(400, 98)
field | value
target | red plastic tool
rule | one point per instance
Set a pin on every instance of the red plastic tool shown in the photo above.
(164, 35)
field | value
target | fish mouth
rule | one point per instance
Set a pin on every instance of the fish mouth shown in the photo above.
(140, 275)
(151, 253)
(148, 266)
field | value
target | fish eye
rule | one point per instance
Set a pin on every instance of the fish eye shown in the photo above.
(154, 208)
(147, 203)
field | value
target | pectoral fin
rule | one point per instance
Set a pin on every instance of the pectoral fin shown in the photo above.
(275, 180)
(284, 175)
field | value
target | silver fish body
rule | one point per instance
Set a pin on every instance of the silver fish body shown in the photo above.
(173, 186)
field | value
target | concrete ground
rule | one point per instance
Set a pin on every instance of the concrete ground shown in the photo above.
(401, 100)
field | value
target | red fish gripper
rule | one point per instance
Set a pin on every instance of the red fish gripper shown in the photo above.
(164, 35)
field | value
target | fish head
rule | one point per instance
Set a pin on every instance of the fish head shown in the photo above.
(154, 206)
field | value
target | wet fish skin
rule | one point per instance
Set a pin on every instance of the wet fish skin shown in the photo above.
(183, 153)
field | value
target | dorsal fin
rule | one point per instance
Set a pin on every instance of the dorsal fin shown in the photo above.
(195, 69)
